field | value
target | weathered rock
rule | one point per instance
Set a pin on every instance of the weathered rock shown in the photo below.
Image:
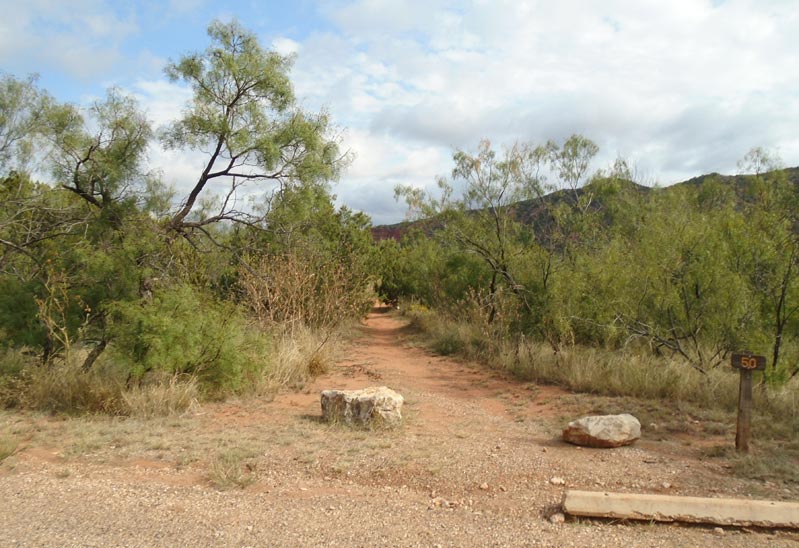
(603, 431)
(719, 511)
(371, 406)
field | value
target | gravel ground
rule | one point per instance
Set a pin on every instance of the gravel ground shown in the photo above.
(40, 510)
(473, 465)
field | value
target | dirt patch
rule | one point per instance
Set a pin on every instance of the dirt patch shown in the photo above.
(472, 464)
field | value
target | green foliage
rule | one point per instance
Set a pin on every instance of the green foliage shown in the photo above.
(100, 165)
(692, 273)
(18, 314)
(115, 302)
(23, 110)
(244, 118)
(183, 332)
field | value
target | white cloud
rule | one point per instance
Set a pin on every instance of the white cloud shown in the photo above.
(679, 87)
(285, 46)
(80, 38)
(162, 100)
(185, 6)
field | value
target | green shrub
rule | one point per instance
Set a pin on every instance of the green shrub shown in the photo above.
(183, 332)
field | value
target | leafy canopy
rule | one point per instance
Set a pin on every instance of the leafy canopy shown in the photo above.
(243, 116)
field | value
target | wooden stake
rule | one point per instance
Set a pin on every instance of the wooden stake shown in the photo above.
(744, 430)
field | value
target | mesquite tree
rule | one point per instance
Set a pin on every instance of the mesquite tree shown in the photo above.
(244, 119)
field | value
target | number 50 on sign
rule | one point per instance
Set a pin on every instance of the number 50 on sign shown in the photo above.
(749, 362)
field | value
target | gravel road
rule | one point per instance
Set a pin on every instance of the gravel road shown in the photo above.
(473, 465)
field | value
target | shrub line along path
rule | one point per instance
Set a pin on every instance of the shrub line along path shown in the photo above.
(477, 462)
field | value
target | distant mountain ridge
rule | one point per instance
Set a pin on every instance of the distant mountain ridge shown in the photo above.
(532, 211)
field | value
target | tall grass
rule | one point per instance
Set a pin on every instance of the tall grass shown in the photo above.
(301, 353)
(66, 388)
(284, 357)
(631, 371)
(169, 396)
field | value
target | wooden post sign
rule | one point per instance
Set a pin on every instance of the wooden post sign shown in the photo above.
(746, 362)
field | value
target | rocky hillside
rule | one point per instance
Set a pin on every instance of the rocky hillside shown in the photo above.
(536, 211)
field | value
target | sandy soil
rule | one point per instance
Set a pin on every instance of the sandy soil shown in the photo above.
(472, 465)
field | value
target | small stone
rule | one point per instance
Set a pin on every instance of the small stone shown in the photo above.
(603, 431)
(665, 485)
(484, 486)
(557, 518)
(438, 502)
(718, 531)
(502, 488)
(557, 480)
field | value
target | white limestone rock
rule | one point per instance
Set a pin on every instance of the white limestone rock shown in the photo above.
(377, 405)
(603, 431)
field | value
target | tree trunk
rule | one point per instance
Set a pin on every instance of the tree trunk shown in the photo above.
(93, 355)
(491, 295)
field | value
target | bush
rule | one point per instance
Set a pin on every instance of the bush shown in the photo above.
(185, 333)
(166, 354)
(298, 287)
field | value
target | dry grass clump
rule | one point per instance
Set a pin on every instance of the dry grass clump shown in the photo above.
(66, 388)
(171, 396)
(232, 468)
(8, 446)
(622, 373)
(300, 353)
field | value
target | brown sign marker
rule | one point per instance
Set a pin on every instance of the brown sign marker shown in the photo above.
(746, 362)
(749, 362)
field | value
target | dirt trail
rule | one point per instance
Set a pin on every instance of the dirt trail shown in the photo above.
(471, 466)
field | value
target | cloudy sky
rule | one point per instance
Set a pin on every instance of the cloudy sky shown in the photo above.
(679, 88)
